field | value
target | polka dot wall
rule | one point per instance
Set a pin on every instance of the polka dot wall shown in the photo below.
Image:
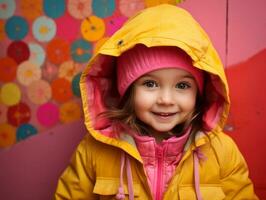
(45, 44)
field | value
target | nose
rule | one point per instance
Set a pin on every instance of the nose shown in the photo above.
(166, 97)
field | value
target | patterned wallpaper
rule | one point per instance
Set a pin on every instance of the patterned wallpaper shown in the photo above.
(45, 44)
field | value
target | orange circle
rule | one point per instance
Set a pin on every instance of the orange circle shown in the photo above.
(61, 90)
(7, 135)
(31, 9)
(58, 50)
(8, 69)
(69, 112)
(150, 3)
(92, 28)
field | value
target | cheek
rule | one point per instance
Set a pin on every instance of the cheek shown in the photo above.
(188, 102)
(142, 101)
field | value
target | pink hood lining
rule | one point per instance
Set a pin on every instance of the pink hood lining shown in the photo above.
(102, 93)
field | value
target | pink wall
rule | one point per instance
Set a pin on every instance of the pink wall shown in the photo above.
(30, 169)
(246, 76)
(247, 29)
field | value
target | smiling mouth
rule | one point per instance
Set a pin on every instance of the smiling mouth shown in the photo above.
(161, 114)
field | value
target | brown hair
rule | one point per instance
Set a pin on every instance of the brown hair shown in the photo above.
(123, 116)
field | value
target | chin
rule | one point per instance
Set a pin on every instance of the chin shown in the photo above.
(162, 130)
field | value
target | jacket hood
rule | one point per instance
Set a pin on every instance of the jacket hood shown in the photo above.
(162, 25)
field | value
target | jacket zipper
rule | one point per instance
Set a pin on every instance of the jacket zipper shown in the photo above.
(159, 185)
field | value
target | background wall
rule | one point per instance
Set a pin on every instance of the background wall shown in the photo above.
(30, 166)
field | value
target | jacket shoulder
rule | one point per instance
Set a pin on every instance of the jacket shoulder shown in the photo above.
(227, 153)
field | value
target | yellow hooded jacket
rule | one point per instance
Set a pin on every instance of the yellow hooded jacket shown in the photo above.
(94, 171)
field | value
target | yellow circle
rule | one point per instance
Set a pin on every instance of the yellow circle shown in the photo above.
(99, 43)
(69, 112)
(92, 28)
(10, 94)
(7, 135)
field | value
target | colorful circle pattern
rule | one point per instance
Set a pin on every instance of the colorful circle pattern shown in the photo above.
(37, 54)
(18, 114)
(48, 114)
(44, 29)
(45, 44)
(54, 8)
(10, 94)
(8, 69)
(7, 8)
(81, 51)
(7, 135)
(79, 9)
(103, 11)
(75, 85)
(28, 72)
(19, 51)
(58, 51)
(61, 90)
(16, 28)
(92, 28)
(25, 130)
(39, 92)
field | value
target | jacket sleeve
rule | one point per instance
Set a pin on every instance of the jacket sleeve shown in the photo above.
(77, 181)
(234, 173)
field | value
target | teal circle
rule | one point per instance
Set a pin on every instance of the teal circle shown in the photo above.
(16, 28)
(49, 25)
(85, 46)
(75, 85)
(25, 130)
(8, 8)
(103, 8)
(54, 8)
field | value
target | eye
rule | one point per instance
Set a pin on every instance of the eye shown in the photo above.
(150, 84)
(183, 85)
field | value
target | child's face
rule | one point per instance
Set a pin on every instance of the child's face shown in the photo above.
(164, 98)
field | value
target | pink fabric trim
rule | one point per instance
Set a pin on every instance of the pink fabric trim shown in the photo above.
(160, 160)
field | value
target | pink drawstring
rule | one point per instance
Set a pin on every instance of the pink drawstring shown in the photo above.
(197, 154)
(121, 194)
(130, 180)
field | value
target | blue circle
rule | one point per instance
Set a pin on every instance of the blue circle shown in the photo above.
(16, 28)
(25, 130)
(54, 8)
(103, 8)
(86, 48)
(75, 85)
(42, 23)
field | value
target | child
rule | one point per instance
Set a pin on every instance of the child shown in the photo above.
(155, 99)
